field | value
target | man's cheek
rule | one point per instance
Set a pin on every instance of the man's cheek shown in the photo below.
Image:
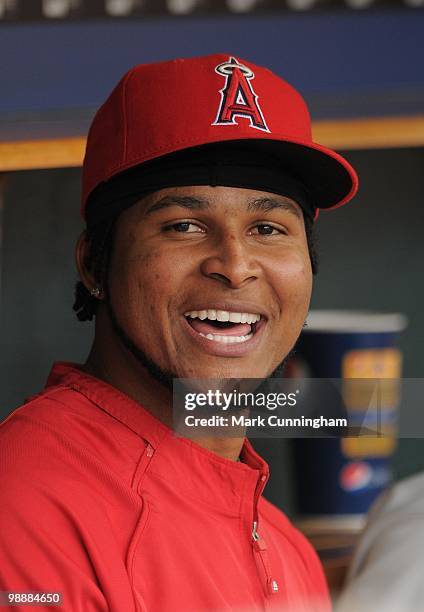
(291, 263)
(294, 290)
(137, 268)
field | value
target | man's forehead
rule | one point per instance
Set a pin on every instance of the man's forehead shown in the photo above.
(207, 198)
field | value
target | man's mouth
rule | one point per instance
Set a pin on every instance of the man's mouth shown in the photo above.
(226, 327)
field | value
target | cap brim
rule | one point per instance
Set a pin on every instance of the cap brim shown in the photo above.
(328, 177)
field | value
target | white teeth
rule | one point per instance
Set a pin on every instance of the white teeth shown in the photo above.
(252, 318)
(227, 339)
(223, 315)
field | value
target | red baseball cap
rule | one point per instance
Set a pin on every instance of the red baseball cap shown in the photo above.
(161, 108)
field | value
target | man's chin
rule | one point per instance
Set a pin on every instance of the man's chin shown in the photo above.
(232, 373)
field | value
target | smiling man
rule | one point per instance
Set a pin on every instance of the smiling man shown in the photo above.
(201, 185)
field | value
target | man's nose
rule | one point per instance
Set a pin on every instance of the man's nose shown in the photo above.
(231, 261)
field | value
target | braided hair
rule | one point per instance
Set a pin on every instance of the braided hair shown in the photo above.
(100, 239)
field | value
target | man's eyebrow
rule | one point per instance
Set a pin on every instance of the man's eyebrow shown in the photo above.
(184, 201)
(267, 204)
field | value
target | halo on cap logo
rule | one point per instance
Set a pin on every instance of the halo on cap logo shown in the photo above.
(238, 98)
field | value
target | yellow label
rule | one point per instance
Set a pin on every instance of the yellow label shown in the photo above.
(376, 373)
(372, 363)
(358, 448)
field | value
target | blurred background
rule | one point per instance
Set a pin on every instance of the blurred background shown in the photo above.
(357, 62)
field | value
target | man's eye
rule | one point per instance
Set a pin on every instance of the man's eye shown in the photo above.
(266, 230)
(184, 227)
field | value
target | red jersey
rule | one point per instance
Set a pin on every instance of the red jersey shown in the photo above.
(104, 504)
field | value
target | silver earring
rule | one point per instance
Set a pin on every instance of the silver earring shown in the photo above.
(95, 292)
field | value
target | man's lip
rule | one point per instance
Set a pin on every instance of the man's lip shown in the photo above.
(248, 307)
(227, 350)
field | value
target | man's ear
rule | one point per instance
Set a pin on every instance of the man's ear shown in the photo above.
(82, 249)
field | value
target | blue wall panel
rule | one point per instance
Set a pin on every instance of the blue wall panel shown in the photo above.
(346, 63)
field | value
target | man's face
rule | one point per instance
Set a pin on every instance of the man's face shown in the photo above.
(187, 259)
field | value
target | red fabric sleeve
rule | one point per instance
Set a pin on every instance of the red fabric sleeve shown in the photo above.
(55, 532)
(41, 550)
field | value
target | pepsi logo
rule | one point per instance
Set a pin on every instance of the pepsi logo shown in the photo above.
(355, 476)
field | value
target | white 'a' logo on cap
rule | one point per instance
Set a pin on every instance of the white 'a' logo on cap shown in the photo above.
(238, 98)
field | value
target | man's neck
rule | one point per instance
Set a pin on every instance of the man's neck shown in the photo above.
(121, 370)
